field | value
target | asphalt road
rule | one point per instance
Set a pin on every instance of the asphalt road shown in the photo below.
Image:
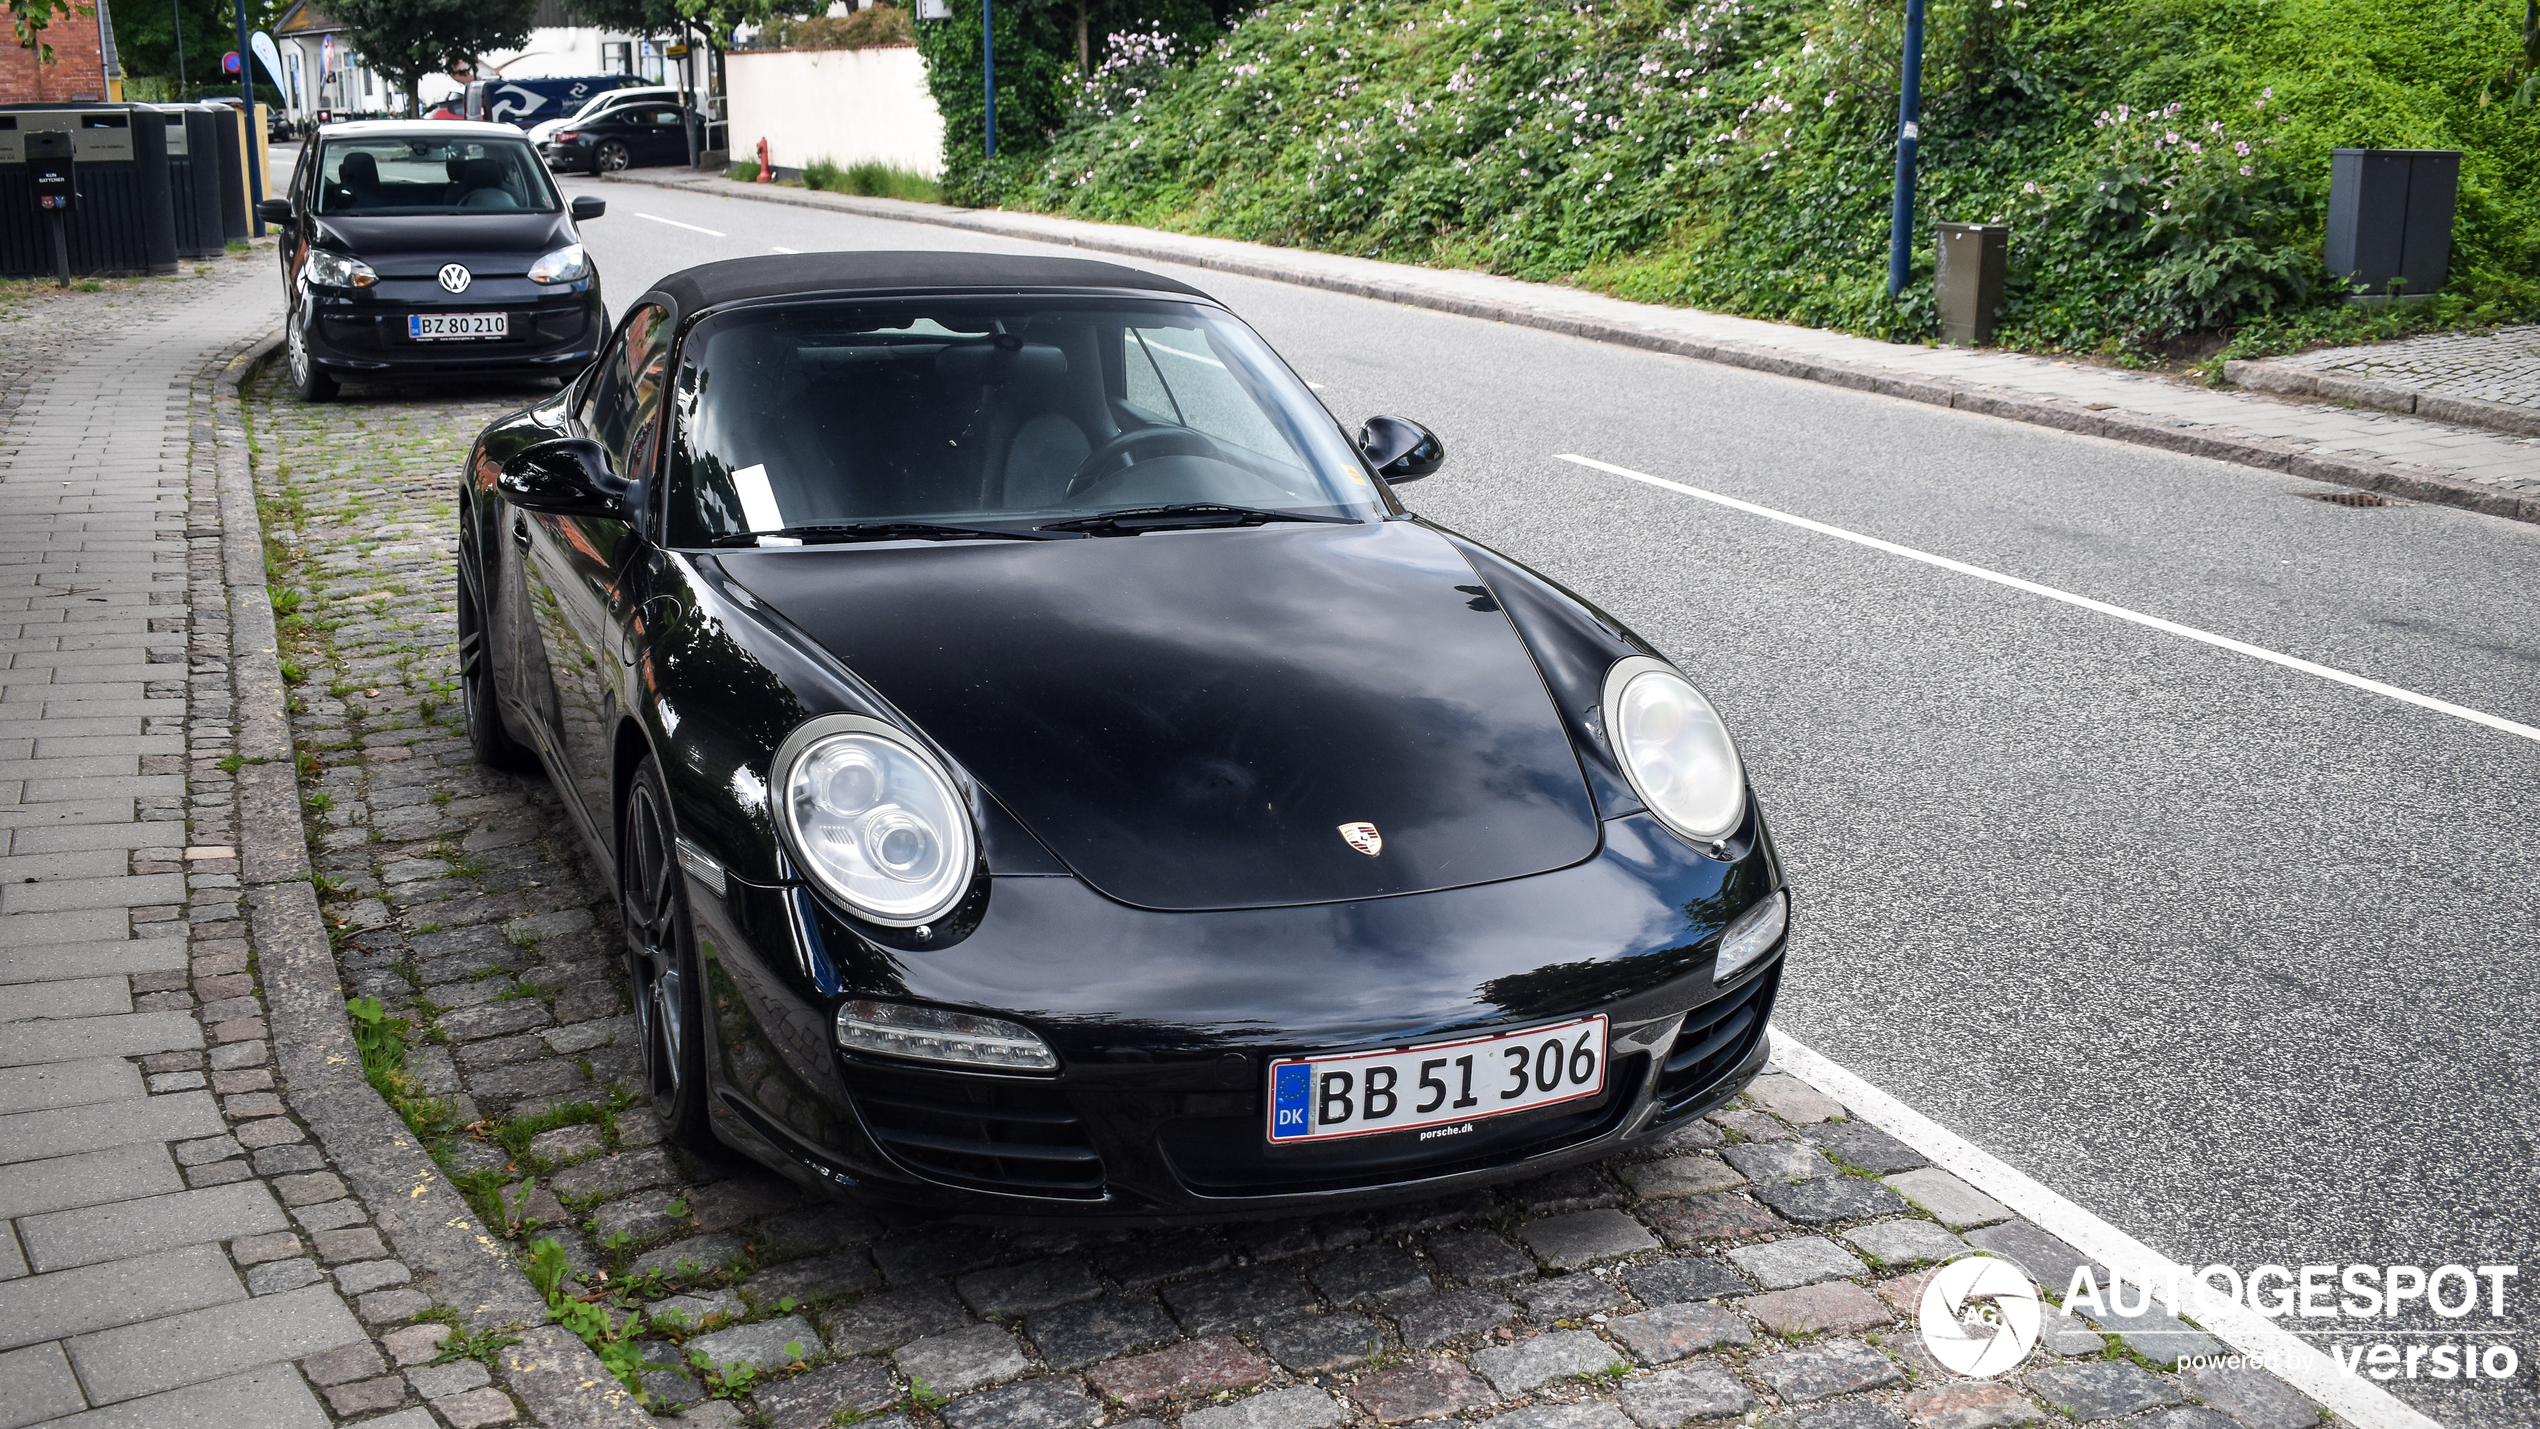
(2235, 956)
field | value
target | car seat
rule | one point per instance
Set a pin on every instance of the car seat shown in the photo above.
(480, 184)
(358, 177)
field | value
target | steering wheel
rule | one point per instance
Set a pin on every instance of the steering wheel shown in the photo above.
(1166, 441)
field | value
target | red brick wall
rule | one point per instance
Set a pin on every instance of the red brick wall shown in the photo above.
(78, 70)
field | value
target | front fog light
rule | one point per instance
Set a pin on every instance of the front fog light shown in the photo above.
(1752, 935)
(931, 1034)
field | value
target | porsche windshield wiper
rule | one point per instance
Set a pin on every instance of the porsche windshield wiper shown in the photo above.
(1132, 520)
(879, 531)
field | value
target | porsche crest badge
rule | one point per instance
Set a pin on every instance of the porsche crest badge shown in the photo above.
(1363, 837)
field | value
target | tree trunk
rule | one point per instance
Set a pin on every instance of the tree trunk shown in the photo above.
(1085, 48)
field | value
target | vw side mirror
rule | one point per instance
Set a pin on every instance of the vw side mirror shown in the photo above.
(1400, 450)
(585, 207)
(569, 476)
(274, 210)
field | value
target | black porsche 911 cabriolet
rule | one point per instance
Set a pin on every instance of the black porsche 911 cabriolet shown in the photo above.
(1048, 772)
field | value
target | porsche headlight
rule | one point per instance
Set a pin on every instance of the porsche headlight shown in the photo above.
(873, 821)
(562, 266)
(1674, 749)
(334, 270)
(1752, 935)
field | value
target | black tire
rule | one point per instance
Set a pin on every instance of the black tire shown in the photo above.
(307, 378)
(661, 962)
(613, 157)
(494, 746)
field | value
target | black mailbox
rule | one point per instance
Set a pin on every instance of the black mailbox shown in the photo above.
(48, 167)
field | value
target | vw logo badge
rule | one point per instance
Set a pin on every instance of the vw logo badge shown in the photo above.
(456, 278)
(1363, 837)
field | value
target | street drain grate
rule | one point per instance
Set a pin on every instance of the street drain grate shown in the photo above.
(2349, 498)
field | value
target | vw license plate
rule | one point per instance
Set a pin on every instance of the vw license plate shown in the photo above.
(429, 327)
(1441, 1088)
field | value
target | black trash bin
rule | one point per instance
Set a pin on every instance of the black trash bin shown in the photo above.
(194, 179)
(231, 135)
(122, 221)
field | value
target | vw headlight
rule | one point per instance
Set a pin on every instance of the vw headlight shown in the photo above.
(1674, 749)
(873, 821)
(1752, 935)
(334, 270)
(564, 265)
(931, 1034)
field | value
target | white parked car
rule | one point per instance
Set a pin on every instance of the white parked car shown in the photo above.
(600, 104)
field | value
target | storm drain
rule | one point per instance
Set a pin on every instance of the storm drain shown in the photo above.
(2348, 498)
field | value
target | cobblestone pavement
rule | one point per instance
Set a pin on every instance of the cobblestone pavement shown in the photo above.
(1765, 1261)
(173, 1244)
(2501, 366)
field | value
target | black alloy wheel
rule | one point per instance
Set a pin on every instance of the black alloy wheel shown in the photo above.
(307, 378)
(661, 957)
(613, 156)
(493, 745)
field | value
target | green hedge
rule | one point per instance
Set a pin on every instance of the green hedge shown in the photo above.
(2164, 163)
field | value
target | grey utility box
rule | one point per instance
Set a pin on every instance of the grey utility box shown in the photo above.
(1969, 264)
(2390, 216)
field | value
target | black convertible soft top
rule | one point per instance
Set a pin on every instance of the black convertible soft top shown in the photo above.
(777, 275)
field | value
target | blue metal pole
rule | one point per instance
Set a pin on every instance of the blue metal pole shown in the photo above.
(988, 64)
(255, 151)
(1909, 107)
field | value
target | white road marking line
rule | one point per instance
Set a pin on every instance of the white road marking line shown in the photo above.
(779, 248)
(675, 223)
(2353, 1398)
(1317, 386)
(2118, 612)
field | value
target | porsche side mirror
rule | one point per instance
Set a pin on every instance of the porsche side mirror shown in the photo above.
(274, 210)
(585, 207)
(1400, 450)
(569, 476)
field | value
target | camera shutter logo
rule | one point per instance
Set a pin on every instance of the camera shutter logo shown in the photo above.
(1980, 1316)
(455, 277)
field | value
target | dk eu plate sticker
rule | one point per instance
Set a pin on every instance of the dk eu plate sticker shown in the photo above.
(1290, 1093)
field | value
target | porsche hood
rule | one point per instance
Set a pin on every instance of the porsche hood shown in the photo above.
(1219, 718)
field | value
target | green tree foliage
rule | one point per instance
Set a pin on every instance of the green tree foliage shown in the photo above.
(146, 35)
(408, 39)
(2164, 163)
(29, 19)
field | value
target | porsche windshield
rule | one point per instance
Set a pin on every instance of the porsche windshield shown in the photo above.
(385, 176)
(1010, 413)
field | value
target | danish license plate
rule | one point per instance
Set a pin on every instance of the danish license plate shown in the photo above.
(1438, 1090)
(434, 327)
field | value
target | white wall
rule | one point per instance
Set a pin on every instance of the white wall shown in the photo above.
(846, 106)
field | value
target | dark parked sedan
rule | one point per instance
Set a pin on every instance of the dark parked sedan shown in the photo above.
(633, 136)
(1048, 772)
(432, 249)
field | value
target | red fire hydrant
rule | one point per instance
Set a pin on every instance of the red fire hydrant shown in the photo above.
(765, 173)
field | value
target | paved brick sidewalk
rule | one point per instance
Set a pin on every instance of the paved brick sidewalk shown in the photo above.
(1766, 1260)
(2327, 441)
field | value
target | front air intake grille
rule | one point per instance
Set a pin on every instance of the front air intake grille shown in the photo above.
(1717, 1037)
(989, 1133)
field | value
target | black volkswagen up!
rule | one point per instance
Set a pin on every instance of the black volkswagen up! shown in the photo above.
(437, 248)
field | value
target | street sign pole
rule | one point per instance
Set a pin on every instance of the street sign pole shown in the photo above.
(988, 64)
(1909, 106)
(255, 145)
